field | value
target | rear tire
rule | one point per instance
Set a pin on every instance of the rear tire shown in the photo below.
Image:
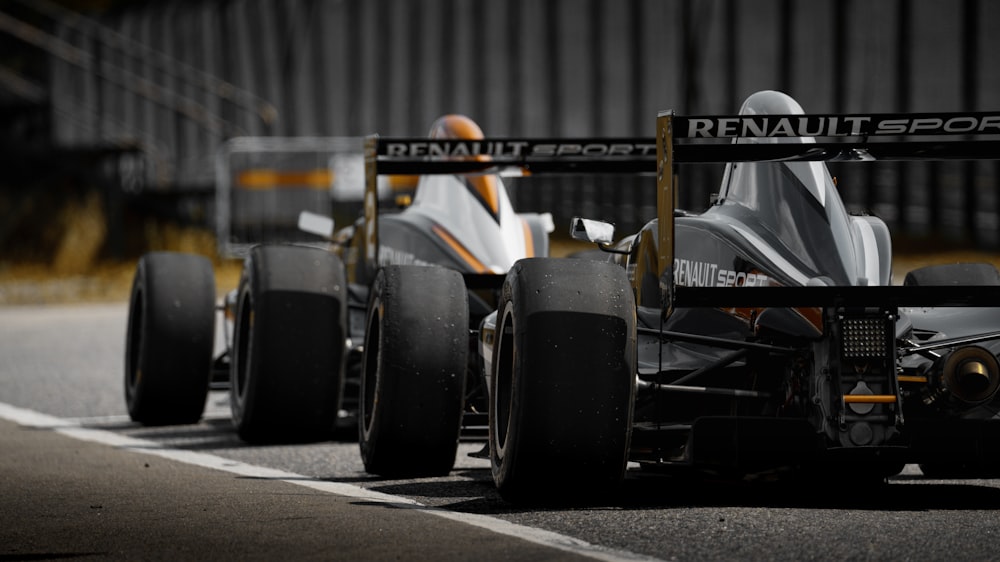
(286, 377)
(170, 338)
(562, 385)
(953, 274)
(414, 371)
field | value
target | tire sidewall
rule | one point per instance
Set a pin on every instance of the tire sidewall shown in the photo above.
(170, 338)
(287, 376)
(414, 371)
(548, 370)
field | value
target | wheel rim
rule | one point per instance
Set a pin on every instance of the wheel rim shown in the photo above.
(503, 381)
(371, 366)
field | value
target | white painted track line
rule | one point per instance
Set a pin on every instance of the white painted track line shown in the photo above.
(74, 429)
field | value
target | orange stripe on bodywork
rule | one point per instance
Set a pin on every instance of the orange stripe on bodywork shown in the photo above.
(529, 240)
(812, 315)
(403, 183)
(461, 250)
(869, 399)
(488, 190)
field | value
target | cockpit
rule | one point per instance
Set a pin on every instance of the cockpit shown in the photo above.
(790, 205)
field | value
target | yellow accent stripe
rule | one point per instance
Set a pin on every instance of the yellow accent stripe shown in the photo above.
(911, 378)
(486, 187)
(529, 240)
(465, 254)
(263, 178)
(403, 182)
(869, 399)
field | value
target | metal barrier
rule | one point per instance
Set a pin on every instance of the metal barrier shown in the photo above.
(528, 68)
(263, 183)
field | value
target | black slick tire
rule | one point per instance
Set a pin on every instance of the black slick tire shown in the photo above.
(169, 338)
(562, 382)
(413, 371)
(286, 377)
(953, 274)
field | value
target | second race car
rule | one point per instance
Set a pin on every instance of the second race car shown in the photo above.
(318, 338)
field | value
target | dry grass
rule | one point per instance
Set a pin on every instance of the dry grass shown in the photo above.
(105, 282)
(33, 284)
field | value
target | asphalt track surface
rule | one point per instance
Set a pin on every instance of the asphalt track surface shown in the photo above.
(79, 481)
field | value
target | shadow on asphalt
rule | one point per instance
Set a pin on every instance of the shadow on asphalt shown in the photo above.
(479, 496)
(910, 495)
(475, 493)
(209, 434)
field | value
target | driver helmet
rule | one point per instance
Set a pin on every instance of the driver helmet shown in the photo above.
(484, 187)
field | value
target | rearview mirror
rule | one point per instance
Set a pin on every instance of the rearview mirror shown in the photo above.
(588, 230)
(316, 224)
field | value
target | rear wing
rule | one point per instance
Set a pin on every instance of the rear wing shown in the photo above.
(859, 138)
(708, 139)
(506, 156)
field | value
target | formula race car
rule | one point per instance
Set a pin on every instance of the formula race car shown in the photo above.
(759, 336)
(297, 359)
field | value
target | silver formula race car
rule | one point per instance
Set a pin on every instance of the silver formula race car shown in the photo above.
(297, 359)
(760, 336)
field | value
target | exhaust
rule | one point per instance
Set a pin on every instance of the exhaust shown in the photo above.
(967, 377)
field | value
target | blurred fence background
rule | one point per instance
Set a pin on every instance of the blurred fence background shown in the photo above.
(142, 96)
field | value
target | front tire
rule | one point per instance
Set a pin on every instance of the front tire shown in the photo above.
(286, 377)
(170, 338)
(414, 371)
(562, 385)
